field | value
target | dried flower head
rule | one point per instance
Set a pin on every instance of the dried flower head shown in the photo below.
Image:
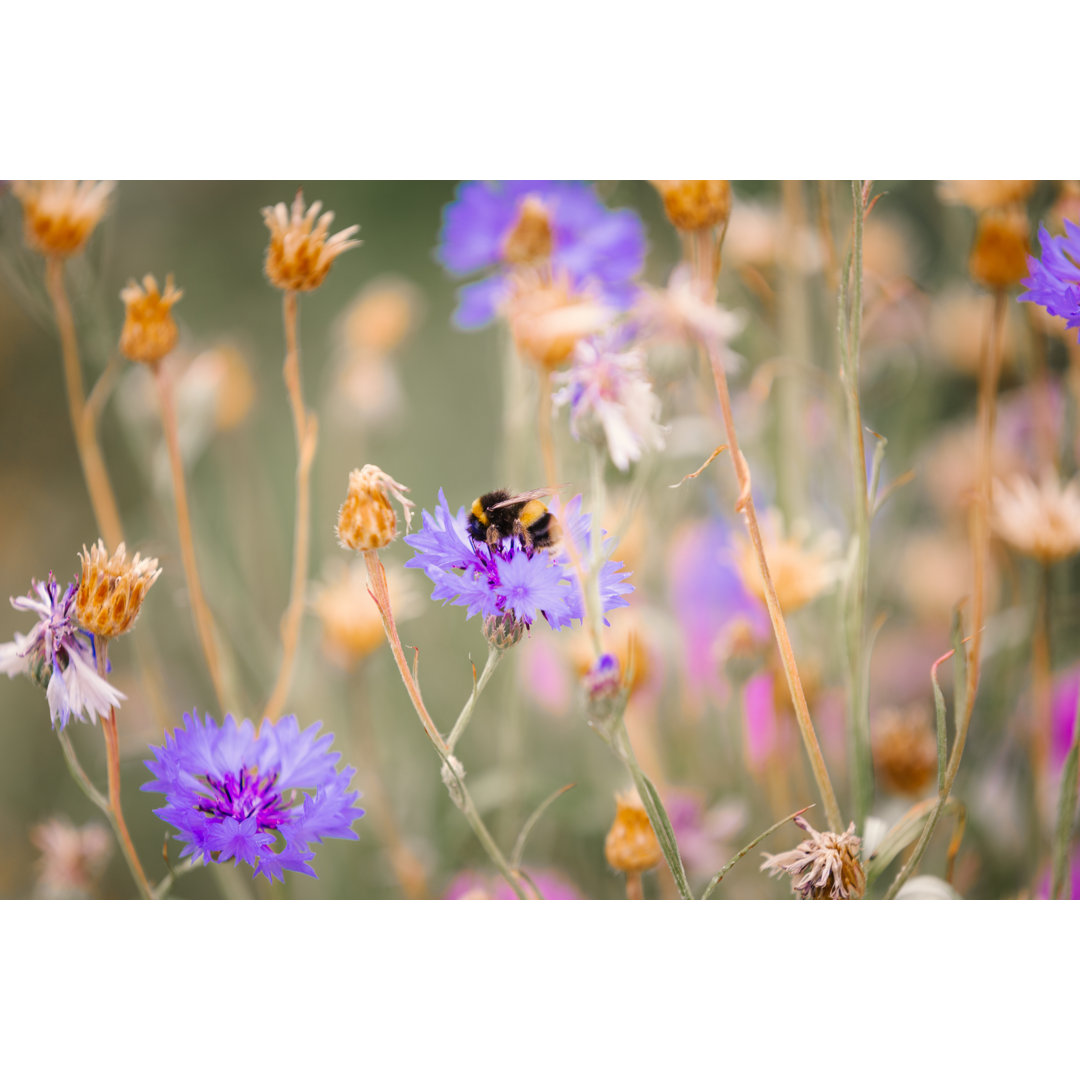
(72, 859)
(351, 624)
(985, 194)
(800, 572)
(380, 318)
(825, 866)
(60, 215)
(685, 313)
(631, 845)
(529, 239)
(149, 332)
(366, 520)
(905, 749)
(111, 590)
(300, 254)
(695, 204)
(548, 317)
(1000, 251)
(1041, 520)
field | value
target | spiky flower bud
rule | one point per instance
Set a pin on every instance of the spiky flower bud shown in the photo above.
(504, 631)
(150, 332)
(111, 590)
(825, 866)
(366, 520)
(631, 845)
(60, 215)
(300, 253)
(695, 204)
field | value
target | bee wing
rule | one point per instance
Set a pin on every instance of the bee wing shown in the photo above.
(526, 496)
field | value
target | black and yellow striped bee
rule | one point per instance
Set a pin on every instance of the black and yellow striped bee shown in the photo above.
(498, 515)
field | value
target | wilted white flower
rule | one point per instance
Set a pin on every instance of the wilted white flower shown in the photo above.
(825, 866)
(1041, 520)
(72, 859)
(611, 401)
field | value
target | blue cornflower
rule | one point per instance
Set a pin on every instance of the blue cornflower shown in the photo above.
(1055, 277)
(509, 579)
(596, 247)
(59, 654)
(236, 794)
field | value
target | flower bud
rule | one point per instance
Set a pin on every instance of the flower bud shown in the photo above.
(999, 254)
(149, 332)
(529, 239)
(603, 687)
(503, 631)
(366, 520)
(631, 845)
(695, 204)
(111, 590)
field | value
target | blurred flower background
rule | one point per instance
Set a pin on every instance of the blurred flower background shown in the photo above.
(439, 348)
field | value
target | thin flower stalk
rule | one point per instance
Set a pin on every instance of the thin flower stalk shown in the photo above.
(98, 486)
(544, 430)
(849, 331)
(204, 623)
(453, 774)
(307, 431)
(493, 657)
(980, 542)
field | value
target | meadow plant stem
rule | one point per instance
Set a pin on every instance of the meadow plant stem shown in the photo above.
(493, 657)
(849, 331)
(980, 542)
(745, 506)
(307, 431)
(634, 888)
(453, 774)
(112, 762)
(1041, 688)
(204, 623)
(100, 490)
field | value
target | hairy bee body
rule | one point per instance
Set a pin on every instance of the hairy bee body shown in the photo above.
(498, 515)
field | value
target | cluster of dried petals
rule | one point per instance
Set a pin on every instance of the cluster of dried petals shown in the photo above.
(1000, 252)
(631, 845)
(985, 194)
(800, 572)
(150, 332)
(111, 590)
(686, 313)
(72, 859)
(695, 204)
(366, 520)
(301, 253)
(825, 866)
(380, 318)
(548, 317)
(1041, 520)
(60, 215)
(530, 238)
(904, 748)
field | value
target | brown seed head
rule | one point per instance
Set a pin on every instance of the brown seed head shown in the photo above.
(905, 749)
(150, 332)
(366, 520)
(548, 318)
(529, 239)
(631, 845)
(60, 215)
(111, 590)
(825, 866)
(300, 253)
(999, 254)
(695, 204)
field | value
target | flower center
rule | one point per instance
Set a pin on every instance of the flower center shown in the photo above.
(244, 796)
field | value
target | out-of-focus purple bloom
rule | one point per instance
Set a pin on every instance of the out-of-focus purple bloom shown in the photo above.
(1066, 691)
(509, 578)
(1055, 277)
(235, 794)
(601, 249)
(470, 885)
(709, 599)
(1072, 886)
(611, 401)
(705, 836)
(59, 654)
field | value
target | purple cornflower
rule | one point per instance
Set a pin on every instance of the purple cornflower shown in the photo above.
(59, 654)
(236, 794)
(597, 247)
(509, 578)
(1055, 277)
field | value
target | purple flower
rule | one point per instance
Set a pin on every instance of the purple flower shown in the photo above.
(237, 794)
(509, 578)
(597, 247)
(59, 654)
(1055, 278)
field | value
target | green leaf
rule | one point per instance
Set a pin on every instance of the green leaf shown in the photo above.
(905, 832)
(519, 846)
(1066, 815)
(711, 888)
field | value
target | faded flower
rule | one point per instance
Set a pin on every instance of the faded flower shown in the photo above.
(111, 590)
(631, 845)
(72, 859)
(60, 215)
(825, 866)
(366, 520)
(150, 332)
(300, 253)
(1041, 520)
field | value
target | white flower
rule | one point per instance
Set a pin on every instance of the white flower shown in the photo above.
(612, 401)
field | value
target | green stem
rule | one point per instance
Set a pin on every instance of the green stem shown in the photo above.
(493, 658)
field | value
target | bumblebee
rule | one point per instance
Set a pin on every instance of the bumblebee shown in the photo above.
(498, 515)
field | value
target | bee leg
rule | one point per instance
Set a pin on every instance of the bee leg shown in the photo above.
(492, 537)
(524, 535)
